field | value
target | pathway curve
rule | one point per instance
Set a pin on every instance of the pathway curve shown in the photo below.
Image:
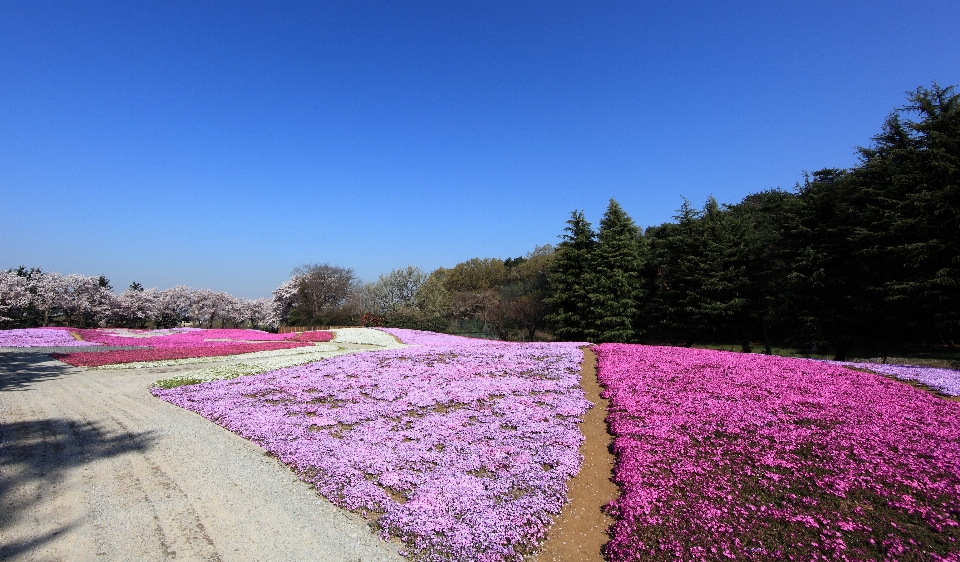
(92, 467)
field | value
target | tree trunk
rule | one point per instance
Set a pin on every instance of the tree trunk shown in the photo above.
(766, 336)
(841, 354)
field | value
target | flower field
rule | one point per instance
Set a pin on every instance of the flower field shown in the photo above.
(41, 337)
(182, 343)
(263, 361)
(741, 456)
(460, 448)
(946, 381)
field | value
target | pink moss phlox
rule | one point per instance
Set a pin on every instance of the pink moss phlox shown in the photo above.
(41, 337)
(946, 381)
(191, 338)
(315, 336)
(462, 446)
(730, 455)
(100, 359)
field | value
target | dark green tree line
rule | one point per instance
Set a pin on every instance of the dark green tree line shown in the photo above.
(867, 257)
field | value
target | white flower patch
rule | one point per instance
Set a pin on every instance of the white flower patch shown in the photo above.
(368, 336)
(243, 369)
(264, 361)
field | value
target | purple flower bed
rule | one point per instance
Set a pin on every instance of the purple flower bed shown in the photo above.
(461, 448)
(40, 337)
(946, 381)
(743, 456)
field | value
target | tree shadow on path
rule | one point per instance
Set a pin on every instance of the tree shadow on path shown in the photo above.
(19, 369)
(35, 458)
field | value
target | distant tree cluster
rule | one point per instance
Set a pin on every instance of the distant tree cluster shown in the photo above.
(866, 257)
(31, 297)
(485, 296)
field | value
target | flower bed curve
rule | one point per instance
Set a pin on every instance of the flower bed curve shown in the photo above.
(101, 359)
(41, 337)
(726, 455)
(181, 337)
(945, 381)
(460, 448)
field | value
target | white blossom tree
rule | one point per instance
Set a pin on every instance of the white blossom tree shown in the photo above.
(14, 296)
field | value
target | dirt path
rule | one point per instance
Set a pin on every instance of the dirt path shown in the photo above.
(92, 467)
(580, 531)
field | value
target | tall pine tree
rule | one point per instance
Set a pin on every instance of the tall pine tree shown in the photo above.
(617, 290)
(570, 279)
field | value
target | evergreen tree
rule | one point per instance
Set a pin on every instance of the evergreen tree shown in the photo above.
(704, 283)
(570, 279)
(765, 217)
(616, 295)
(909, 180)
(830, 281)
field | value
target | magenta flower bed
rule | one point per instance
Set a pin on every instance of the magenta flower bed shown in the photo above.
(160, 353)
(190, 338)
(40, 337)
(317, 336)
(728, 455)
(460, 448)
(946, 381)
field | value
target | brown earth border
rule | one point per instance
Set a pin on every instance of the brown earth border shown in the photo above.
(580, 531)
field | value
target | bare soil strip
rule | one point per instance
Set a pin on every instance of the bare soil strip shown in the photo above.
(580, 531)
(92, 467)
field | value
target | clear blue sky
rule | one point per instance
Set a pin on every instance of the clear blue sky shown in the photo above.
(220, 144)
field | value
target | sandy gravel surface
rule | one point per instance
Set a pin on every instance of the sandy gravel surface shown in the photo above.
(92, 467)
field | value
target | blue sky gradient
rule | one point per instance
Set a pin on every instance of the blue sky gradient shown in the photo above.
(220, 144)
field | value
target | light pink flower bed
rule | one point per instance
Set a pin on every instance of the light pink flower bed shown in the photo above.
(460, 448)
(749, 457)
(40, 337)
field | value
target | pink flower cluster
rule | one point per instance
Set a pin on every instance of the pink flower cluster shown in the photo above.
(180, 344)
(946, 381)
(729, 455)
(40, 337)
(315, 336)
(102, 358)
(460, 448)
(190, 338)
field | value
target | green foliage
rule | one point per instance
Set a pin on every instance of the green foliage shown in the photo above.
(475, 275)
(867, 257)
(616, 291)
(415, 320)
(570, 280)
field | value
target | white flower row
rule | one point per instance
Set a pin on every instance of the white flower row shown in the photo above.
(234, 370)
(264, 361)
(367, 336)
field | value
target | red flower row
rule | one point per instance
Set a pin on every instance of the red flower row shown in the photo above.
(317, 336)
(97, 359)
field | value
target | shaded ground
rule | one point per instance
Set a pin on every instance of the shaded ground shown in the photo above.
(92, 467)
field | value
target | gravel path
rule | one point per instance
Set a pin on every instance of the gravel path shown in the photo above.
(92, 467)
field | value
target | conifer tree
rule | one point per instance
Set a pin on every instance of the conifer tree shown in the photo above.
(909, 180)
(570, 280)
(617, 291)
